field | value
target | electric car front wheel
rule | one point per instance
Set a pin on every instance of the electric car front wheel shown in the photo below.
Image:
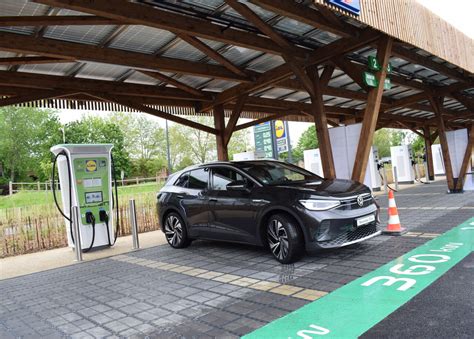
(175, 231)
(284, 239)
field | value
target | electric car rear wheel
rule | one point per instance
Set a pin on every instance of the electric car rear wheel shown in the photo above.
(175, 231)
(284, 239)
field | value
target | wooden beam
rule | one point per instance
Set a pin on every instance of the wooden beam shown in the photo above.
(55, 20)
(437, 103)
(406, 101)
(465, 162)
(35, 60)
(468, 103)
(213, 54)
(428, 152)
(140, 14)
(142, 108)
(411, 128)
(326, 77)
(418, 59)
(352, 72)
(371, 111)
(61, 49)
(175, 83)
(33, 96)
(261, 25)
(219, 123)
(229, 129)
(321, 122)
(284, 71)
(41, 81)
(265, 119)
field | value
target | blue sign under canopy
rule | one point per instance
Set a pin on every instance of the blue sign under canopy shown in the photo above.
(352, 6)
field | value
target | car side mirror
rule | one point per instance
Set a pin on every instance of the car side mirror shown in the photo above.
(237, 185)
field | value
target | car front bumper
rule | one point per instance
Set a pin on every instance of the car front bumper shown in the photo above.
(338, 228)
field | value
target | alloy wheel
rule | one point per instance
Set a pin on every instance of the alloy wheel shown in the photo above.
(173, 230)
(278, 239)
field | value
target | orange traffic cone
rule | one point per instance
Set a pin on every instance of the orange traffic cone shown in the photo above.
(393, 227)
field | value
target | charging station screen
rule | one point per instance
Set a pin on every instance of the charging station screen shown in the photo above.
(93, 197)
(96, 182)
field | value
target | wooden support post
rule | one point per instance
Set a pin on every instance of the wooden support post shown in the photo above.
(371, 112)
(219, 124)
(465, 161)
(229, 130)
(428, 152)
(437, 104)
(320, 119)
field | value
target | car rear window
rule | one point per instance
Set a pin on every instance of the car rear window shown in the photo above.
(198, 179)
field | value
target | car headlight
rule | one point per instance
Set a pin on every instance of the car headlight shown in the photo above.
(319, 205)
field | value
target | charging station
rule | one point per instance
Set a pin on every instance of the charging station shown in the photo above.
(402, 159)
(312, 161)
(85, 177)
(344, 143)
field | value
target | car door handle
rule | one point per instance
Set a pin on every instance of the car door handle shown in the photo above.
(180, 195)
(212, 200)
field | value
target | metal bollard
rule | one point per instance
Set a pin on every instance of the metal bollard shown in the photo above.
(76, 233)
(134, 226)
(385, 181)
(395, 177)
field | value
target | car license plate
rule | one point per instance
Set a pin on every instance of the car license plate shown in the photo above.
(365, 220)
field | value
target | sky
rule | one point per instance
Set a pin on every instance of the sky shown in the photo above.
(457, 12)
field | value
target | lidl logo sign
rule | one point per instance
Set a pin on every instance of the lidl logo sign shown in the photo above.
(279, 129)
(352, 6)
(91, 165)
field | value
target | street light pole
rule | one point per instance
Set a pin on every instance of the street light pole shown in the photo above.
(64, 134)
(168, 148)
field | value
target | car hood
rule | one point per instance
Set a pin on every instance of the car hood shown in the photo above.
(339, 188)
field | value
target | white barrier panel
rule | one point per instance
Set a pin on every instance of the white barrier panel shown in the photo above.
(438, 164)
(344, 143)
(457, 143)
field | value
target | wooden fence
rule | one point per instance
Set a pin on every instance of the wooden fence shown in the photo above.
(14, 187)
(41, 227)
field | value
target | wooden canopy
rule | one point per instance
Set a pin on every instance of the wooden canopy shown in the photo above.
(258, 59)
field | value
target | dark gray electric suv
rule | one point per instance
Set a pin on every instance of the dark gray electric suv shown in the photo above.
(266, 203)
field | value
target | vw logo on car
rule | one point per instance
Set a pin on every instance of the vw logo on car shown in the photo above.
(360, 200)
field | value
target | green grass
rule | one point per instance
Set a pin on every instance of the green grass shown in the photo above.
(23, 199)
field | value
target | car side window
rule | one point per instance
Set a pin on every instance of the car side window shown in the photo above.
(221, 176)
(182, 180)
(198, 179)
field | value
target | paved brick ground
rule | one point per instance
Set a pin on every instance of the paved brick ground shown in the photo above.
(208, 289)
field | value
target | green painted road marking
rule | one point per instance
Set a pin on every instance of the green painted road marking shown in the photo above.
(354, 308)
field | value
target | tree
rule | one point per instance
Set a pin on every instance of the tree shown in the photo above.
(144, 140)
(397, 137)
(95, 130)
(239, 142)
(382, 140)
(308, 140)
(26, 135)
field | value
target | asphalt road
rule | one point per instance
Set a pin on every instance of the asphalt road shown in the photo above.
(443, 310)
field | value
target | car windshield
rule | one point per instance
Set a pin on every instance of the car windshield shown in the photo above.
(275, 173)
